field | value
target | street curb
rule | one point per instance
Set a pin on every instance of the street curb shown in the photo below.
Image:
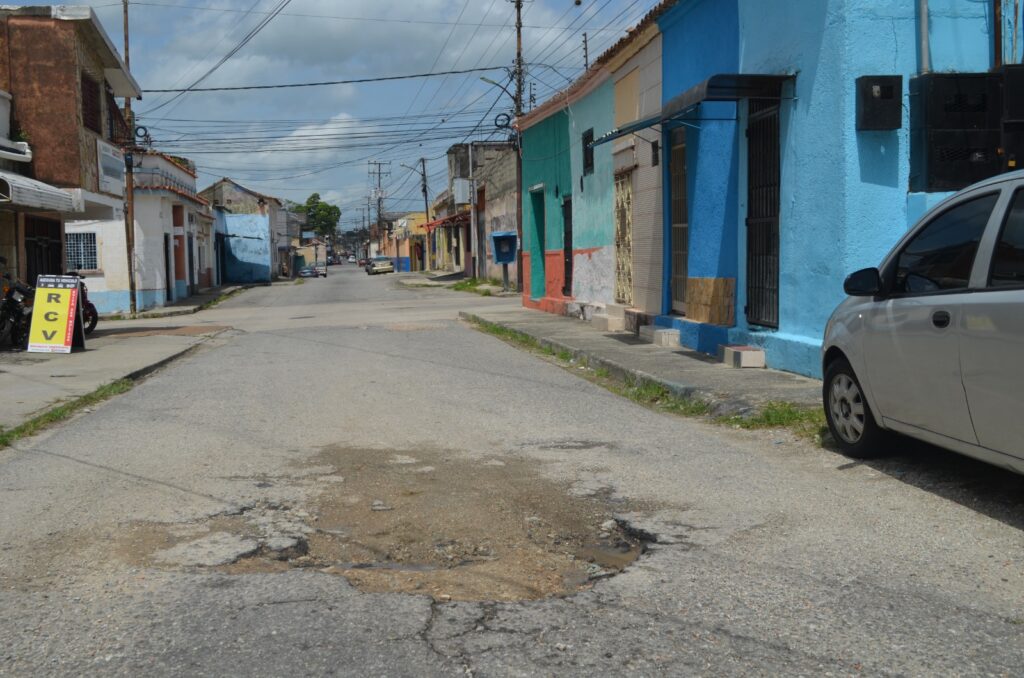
(719, 406)
(143, 372)
(150, 315)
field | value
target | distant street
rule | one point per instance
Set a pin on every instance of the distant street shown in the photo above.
(350, 481)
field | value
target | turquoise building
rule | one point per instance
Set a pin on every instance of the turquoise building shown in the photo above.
(775, 190)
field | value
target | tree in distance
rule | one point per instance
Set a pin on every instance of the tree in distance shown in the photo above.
(321, 217)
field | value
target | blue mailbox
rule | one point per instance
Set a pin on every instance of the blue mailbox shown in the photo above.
(503, 246)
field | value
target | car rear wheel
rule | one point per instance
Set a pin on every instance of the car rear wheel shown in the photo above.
(848, 414)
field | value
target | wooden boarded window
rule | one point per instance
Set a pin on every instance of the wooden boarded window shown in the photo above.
(92, 109)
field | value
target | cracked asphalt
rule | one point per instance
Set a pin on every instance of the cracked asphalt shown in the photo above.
(773, 556)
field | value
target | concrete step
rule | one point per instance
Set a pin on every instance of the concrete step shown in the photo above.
(742, 356)
(606, 323)
(659, 336)
(615, 310)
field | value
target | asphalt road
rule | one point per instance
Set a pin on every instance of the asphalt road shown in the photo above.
(773, 556)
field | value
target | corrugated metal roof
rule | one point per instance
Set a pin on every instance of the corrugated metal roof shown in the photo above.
(19, 191)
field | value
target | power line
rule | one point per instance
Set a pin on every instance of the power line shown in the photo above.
(231, 52)
(429, 22)
(325, 82)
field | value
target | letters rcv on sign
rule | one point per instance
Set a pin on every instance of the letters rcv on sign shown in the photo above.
(54, 312)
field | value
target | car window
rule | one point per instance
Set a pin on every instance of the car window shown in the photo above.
(940, 256)
(1008, 257)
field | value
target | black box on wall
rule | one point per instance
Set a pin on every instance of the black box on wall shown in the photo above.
(879, 102)
(955, 130)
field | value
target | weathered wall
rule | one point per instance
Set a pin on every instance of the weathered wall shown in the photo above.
(152, 221)
(593, 228)
(497, 178)
(647, 198)
(844, 203)
(546, 167)
(247, 256)
(41, 72)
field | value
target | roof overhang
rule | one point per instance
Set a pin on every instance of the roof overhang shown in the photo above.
(28, 194)
(452, 220)
(722, 87)
(114, 68)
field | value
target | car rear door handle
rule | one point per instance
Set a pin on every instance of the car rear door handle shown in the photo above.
(940, 319)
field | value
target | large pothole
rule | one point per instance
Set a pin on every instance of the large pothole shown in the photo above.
(427, 522)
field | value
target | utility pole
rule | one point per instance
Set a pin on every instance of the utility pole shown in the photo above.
(519, 58)
(378, 169)
(129, 179)
(586, 53)
(519, 143)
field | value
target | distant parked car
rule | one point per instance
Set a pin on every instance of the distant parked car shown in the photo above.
(307, 272)
(363, 262)
(928, 344)
(321, 269)
(351, 259)
(380, 265)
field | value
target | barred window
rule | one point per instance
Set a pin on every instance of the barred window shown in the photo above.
(92, 112)
(81, 251)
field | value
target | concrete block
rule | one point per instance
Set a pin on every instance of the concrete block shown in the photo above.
(605, 323)
(659, 336)
(615, 311)
(741, 356)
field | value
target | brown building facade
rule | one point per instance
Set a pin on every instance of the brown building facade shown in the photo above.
(63, 75)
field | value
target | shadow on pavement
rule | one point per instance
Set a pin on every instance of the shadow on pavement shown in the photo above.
(990, 490)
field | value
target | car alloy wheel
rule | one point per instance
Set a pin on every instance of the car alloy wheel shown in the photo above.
(846, 405)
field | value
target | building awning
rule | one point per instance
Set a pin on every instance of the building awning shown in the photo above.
(453, 220)
(28, 194)
(722, 87)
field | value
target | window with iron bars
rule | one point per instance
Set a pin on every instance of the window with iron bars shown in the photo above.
(81, 249)
(92, 109)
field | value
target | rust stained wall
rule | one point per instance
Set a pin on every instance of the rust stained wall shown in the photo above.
(42, 74)
(91, 65)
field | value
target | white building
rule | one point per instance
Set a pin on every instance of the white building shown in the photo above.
(174, 241)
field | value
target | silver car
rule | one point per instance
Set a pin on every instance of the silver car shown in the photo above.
(380, 265)
(930, 343)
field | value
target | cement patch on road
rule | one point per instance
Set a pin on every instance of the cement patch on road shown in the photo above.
(418, 521)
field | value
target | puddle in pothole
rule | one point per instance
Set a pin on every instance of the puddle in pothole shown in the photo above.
(424, 522)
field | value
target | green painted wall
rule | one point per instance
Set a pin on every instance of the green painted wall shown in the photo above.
(545, 161)
(592, 224)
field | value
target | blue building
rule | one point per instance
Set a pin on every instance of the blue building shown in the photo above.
(772, 193)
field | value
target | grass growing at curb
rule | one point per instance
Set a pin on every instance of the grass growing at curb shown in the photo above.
(223, 297)
(474, 285)
(806, 422)
(62, 412)
(300, 281)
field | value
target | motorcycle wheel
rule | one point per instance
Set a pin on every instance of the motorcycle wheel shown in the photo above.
(19, 334)
(89, 318)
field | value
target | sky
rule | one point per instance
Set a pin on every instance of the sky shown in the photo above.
(291, 142)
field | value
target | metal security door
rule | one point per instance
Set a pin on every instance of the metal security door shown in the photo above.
(624, 238)
(192, 286)
(567, 246)
(763, 213)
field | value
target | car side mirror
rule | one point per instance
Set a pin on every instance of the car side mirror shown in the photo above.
(866, 282)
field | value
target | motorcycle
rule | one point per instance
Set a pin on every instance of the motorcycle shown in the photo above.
(89, 315)
(16, 311)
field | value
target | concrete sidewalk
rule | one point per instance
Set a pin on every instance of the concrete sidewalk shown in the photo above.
(683, 372)
(33, 383)
(188, 306)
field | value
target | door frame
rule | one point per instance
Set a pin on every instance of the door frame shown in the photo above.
(567, 254)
